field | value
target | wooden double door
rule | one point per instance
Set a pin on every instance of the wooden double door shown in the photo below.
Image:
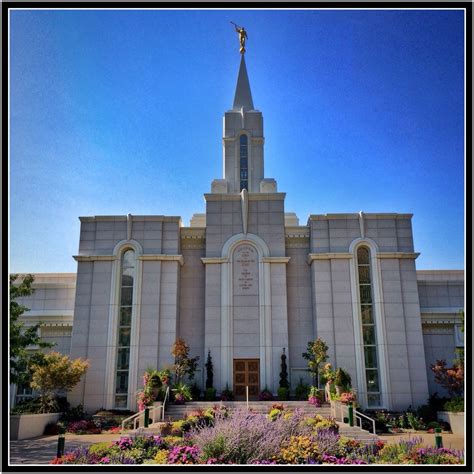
(246, 374)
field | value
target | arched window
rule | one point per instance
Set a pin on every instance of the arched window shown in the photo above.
(244, 166)
(368, 327)
(127, 277)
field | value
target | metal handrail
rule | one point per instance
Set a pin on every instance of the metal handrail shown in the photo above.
(167, 394)
(137, 416)
(133, 417)
(338, 406)
(367, 417)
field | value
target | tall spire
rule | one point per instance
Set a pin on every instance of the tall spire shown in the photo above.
(243, 95)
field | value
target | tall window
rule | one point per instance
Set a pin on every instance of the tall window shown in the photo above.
(368, 327)
(244, 167)
(124, 327)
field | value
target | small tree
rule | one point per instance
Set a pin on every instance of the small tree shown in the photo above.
(57, 372)
(284, 372)
(183, 364)
(316, 354)
(209, 371)
(451, 378)
(22, 338)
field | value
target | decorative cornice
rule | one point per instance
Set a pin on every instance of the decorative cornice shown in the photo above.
(327, 256)
(324, 217)
(92, 258)
(252, 197)
(54, 285)
(193, 233)
(409, 255)
(49, 313)
(193, 238)
(440, 310)
(297, 237)
(298, 232)
(156, 218)
(267, 196)
(214, 260)
(276, 259)
(221, 197)
(163, 258)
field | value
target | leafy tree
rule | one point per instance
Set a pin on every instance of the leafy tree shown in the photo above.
(284, 372)
(21, 337)
(209, 371)
(58, 372)
(451, 378)
(183, 364)
(316, 354)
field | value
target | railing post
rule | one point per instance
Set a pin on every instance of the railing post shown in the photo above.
(147, 417)
(247, 395)
(351, 415)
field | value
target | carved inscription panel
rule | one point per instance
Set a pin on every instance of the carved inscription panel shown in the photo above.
(245, 270)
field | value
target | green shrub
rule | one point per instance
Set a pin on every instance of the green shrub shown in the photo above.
(195, 392)
(103, 449)
(27, 406)
(433, 424)
(343, 379)
(177, 427)
(210, 394)
(283, 393)
(414, 422)
(455, 405)
(227, 394)
(302, 391)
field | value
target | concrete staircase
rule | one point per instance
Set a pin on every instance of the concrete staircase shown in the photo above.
(178, 412)
(354, 432)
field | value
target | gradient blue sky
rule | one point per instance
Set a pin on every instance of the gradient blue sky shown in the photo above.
(117, 112)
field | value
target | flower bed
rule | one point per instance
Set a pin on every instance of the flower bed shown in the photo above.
(248, 438)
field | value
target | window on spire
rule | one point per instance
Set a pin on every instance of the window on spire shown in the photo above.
(244, 170)
(368, 327)
(127, 277)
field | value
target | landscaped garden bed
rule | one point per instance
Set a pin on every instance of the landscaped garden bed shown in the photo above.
(242, 437)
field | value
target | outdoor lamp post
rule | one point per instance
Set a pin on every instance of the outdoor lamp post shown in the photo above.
(61, 440)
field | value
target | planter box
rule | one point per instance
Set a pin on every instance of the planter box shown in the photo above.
(455, 419)
(30, 426)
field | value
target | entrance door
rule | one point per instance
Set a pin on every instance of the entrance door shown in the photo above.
(246, 373)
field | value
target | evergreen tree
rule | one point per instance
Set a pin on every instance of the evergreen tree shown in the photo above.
(209, 371)
(284, 372)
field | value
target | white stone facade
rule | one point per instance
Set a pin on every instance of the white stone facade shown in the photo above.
(245, 281)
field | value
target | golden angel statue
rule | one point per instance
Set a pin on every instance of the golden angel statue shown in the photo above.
(242, 36)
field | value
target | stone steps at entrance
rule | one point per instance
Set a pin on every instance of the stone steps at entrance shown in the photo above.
(178, 412)
(354, 432)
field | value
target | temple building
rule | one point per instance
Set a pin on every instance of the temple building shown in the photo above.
(246, 281)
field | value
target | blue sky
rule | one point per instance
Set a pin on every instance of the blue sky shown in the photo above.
(117, 112)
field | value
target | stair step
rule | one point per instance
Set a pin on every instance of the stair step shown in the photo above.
(176, 412)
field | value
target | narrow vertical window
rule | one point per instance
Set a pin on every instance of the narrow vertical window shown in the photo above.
(124, 327)
(244, 168)
(368, 327)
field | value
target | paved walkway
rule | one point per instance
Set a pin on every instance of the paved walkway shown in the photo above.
(450, 440)
(43, 449)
